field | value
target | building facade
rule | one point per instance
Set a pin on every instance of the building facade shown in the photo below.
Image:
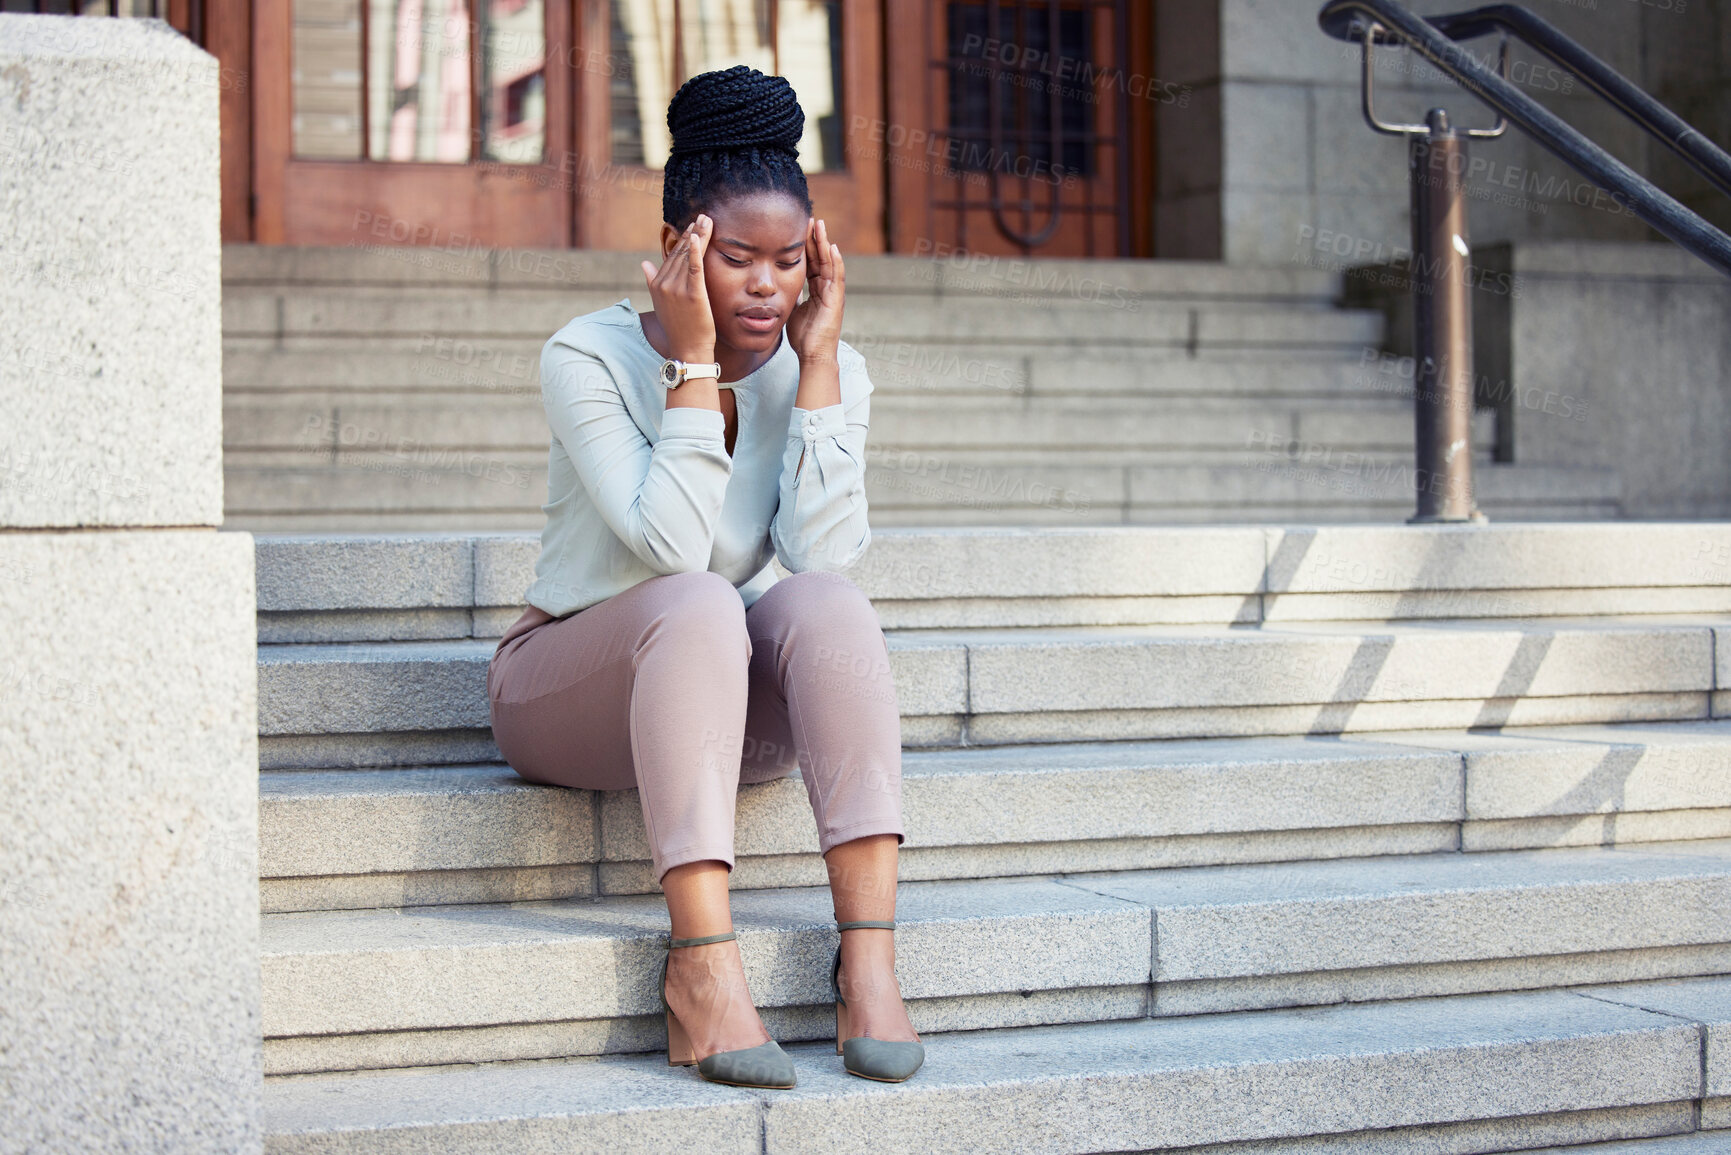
(1202, 129)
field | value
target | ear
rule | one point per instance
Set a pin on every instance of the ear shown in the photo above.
(669, 237)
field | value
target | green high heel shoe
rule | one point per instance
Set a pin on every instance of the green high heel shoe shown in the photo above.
(886, 1060)
(765, 1065)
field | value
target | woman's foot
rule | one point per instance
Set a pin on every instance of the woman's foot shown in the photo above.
(707, 990)
(868, 986)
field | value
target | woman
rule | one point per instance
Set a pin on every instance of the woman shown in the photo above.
(691, 445)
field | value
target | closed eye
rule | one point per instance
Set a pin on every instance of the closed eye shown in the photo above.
(740, 263)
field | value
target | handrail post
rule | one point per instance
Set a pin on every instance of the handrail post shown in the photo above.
(1442, 323)
(1441, 311)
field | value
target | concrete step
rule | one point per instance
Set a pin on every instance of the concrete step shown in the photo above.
(332, 315)
(1005, 486)
(993, 462)
(315, 588)
(1685, 1143)
(464, 834)
(1707, 1003)
(409, 487)
(375, 261)
(1127, 326)
(392, 988)
(994, 429)
(1042, 428)
(1463, 1073)
(430, 365)
(353, 704)
(363, 989)
(1364, 372)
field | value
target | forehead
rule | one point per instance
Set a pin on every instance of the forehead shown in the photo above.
(768, 221)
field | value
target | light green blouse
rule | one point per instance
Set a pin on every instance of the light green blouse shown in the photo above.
(636, 490)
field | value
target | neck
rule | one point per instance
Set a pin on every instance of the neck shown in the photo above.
(740, 363)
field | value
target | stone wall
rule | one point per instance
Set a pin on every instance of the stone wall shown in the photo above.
(129, 997)
(1270, 161)
(1616, 355)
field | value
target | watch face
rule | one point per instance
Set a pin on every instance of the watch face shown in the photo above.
(669, 374)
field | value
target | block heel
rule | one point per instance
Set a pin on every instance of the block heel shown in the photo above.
(679, 1052)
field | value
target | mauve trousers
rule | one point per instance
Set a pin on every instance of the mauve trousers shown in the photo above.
(675, 689)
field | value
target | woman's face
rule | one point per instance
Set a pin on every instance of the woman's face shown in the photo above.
(754, 268)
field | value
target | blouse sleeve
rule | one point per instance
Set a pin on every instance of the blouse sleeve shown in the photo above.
(661, 500)
(821, 521)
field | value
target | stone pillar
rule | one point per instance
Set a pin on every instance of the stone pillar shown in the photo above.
(129, 995)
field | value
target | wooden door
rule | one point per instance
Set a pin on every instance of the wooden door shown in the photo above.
(1021, 128)
(531, 123)
(432, 122)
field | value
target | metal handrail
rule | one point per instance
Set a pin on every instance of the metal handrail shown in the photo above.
(1677, 134)
(1388, 21)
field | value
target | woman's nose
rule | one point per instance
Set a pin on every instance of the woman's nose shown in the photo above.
(761, 283)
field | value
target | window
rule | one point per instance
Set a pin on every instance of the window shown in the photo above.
(658, 44)
(424, 94)
(1016, 62)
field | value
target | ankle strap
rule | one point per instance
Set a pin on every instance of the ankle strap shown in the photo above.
(865, 925)
(675, 943)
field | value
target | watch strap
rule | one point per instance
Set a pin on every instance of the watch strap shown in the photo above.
(675, 373)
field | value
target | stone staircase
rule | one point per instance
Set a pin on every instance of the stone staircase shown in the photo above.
(392, 389)
(1252, 839)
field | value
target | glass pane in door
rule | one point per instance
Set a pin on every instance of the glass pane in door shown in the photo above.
(643, 42)
(721, 33)
(513, 81)
(625, 126)
(808, 53)
(419, 94)
(658, 44)
(1013, 63)
(327, 79)
(134, 8)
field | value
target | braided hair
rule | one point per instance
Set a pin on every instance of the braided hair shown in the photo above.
(734, 131)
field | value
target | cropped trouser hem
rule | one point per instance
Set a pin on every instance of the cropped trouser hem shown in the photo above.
(725, 854)
(828, 842)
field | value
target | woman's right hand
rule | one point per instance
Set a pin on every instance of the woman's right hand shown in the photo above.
(681, 298)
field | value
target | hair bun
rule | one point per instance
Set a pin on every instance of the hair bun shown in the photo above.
(735, 109)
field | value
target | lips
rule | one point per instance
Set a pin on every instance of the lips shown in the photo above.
(759, 318)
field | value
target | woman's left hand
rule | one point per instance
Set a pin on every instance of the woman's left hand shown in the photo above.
(814, 329)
